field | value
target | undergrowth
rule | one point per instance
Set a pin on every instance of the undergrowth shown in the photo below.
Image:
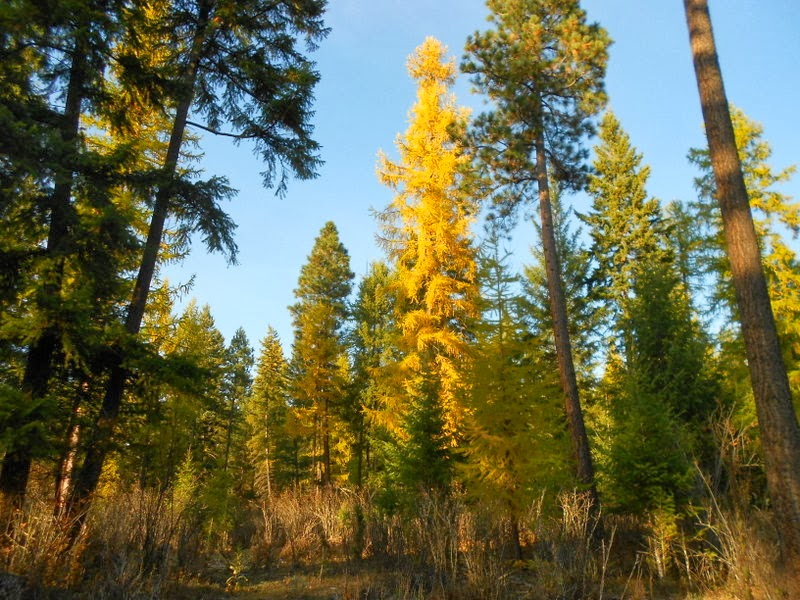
(145, 545)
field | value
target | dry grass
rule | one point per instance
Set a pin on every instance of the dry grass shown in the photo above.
(338, 544)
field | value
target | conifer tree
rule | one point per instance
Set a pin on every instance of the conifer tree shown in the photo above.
(197, 416)
(236, 387)
(777, 419)
(319, 370)
(236, 63)
(201, 410)
(657, 396)
(373, 346)
(269, 446)
(426, 234)
(515, 444)
(626, 226)
(177, 412)
(542, 67)
(151, 455)
(656, 379)
(68, 46)
(774, 212)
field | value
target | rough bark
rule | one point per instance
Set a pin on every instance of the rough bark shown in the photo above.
(100, 442)
(66, 464)
(17, 462)
(558, 313)
(780, 435)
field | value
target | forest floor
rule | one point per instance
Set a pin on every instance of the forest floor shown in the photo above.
(375, 582)
(331, 582)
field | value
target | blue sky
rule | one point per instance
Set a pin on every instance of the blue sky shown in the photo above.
(365, 94)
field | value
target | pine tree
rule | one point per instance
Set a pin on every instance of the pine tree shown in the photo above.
(318, 364)
(780, 433)
(542, 67)
(427, 238)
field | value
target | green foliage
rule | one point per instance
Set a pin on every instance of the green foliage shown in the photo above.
(318, 367)
(656, 388)
(546, 46)
(641, 447)
(515, 442)
(659, 399)
(178, 404)
(421, 458)
(373, 347)
(585, 323)
(23, 421)
(626, 227)
(270, 446)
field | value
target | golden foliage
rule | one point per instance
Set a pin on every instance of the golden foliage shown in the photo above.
(426, 234)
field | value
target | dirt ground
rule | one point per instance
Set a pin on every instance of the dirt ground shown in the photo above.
(336, 582)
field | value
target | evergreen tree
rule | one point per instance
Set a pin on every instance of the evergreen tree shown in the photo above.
(152, 458)
(626, 226)
(271, 450)
(373, 346)
(656, 398)
(656, 379)
(197, 416)
(319, 366)
(542, 67)
(235, 63)
(515, 444)
(236, 387)
(54, 52)
(780, 433)
(774, 213)
(427, 239)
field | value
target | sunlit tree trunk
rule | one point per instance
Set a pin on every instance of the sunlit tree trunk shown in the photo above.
(780, 435)
(17, 461)
(558, 312)
(99, 443)
(66, 465)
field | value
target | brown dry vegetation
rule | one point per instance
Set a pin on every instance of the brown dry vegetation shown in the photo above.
(339, 545)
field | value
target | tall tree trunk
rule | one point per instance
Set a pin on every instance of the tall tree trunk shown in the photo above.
(100, 441)
(359, 449)
(229, 434)
(268, 462)
(558, 313)
(17, 461)
(780, 435)
(66, 464)
(326, 447)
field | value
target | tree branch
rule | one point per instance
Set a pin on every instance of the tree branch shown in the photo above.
(238, 136)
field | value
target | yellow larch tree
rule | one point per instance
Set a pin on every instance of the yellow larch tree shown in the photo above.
(426, 234)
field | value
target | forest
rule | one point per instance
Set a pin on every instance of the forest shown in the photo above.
(617, 418)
